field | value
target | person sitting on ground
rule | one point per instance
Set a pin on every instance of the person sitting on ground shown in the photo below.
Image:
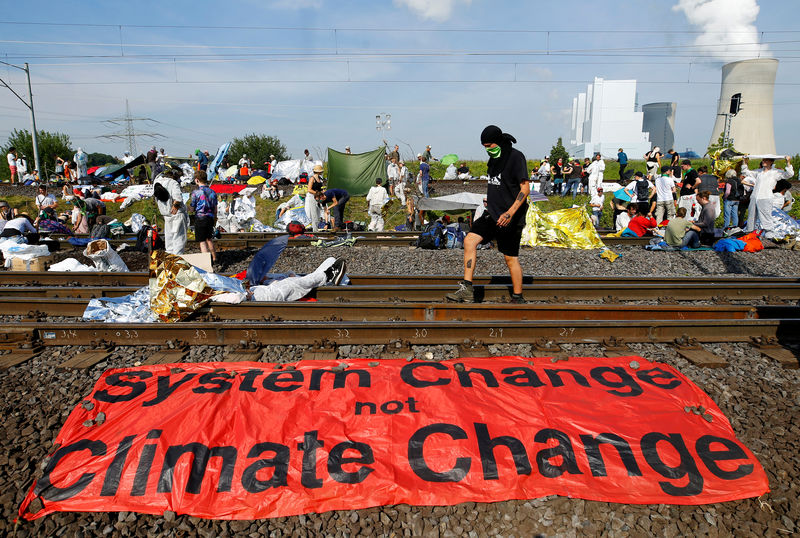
(463, 172)
(80, 224)
(334, 213)
(297, 200)
(781, 197)
(681, 233)
(21, 225)
(376, 199)
(706, 219)
(7, 213)
(641, 224)
(624, 217)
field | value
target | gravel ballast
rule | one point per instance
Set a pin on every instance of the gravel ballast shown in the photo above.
(760, 398)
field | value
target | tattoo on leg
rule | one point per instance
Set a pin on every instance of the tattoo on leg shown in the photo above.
(469, 264)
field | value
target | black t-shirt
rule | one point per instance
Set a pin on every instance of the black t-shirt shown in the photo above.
(675, 159)
(687, 189)
(555, 171)
(709, 183)
(504, 185)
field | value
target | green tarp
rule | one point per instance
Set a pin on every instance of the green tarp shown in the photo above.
(355, 173)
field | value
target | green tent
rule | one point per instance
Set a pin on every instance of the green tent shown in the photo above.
(355, 173)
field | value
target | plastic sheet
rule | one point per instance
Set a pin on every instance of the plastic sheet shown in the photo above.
(15, 247)
(297, 214)
(177, 289)
(563, 228)
(137, 222)
(104, 257)
(71, 265)
(265, 258)
(133, 308)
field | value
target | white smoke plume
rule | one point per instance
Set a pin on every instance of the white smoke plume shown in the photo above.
(728, 26)
(436, 10)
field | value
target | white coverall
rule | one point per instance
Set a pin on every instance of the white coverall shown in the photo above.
(759, 212)
(175, 226)
(294, 287)
(595, 170)
(376, 198)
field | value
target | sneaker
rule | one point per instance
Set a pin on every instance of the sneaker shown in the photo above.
(335, 272)
(464, 294)
(517, 299)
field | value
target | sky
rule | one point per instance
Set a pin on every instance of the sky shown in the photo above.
(315, 73)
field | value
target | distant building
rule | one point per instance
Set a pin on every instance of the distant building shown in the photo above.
(745, 99)
(604, 119)
(659, 122)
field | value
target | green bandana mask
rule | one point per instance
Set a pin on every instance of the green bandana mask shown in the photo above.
(494, 152)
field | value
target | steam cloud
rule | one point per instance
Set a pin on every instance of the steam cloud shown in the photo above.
(437, 10)
(729, 28)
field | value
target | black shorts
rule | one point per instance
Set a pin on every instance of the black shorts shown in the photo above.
(203, 228)
(508, 237)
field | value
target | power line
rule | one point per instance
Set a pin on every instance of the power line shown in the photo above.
(128, 131)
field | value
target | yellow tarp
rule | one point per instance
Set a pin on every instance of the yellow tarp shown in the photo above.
(563, 228)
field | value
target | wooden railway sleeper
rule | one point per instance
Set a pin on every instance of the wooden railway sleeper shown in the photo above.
(763, 342)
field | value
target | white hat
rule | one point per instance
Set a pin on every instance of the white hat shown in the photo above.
(419, 154)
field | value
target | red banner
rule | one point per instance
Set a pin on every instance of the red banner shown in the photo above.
(256, 440)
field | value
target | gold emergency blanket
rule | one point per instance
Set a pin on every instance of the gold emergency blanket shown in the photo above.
(176, 288)
(563, 228)
(722, 165)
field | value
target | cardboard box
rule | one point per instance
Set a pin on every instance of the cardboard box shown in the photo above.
(37, 264)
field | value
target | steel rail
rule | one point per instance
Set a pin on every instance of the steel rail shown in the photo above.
(140, 278)
(559, 292)
(413, 332)
(316, 311)
(244, 242)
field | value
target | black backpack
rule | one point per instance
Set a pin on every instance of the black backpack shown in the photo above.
(433, 237)
(642, 190)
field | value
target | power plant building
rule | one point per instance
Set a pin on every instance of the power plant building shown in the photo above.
(746, 101)
(659, 122)
(604, 119)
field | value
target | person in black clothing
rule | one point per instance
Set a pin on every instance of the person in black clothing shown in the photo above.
(339, 197)
(557, 173)
(689, 186)
(675, 162)
(508, 188)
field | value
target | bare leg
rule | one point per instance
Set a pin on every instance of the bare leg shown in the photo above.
(470, 255)
(213, 252)
(514, 269)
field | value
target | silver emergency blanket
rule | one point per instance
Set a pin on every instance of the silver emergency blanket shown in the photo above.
(783, 226)
(133, 308)
(454, 202)
(291, 170)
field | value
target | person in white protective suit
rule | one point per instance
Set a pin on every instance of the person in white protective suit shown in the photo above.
(292, 288)
(595, 172)
(759, 212)
(172, 208)
(376, 199)
(81, 162)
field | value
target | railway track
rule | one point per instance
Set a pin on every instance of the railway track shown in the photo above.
(257, 240)
(55, 278)
(555, 293)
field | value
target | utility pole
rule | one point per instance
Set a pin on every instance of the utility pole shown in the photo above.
(29, 104)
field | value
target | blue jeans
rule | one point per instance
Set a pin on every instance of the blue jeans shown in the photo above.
(572, 185)
(425, 181)
(731, 213)
(691, 239)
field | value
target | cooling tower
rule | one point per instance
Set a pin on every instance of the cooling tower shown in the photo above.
(751, 128)
(659, 120)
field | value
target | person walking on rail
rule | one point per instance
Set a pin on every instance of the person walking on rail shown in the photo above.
(508, 188)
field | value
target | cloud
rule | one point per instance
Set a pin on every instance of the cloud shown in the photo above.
(437, 10)
(728, 26)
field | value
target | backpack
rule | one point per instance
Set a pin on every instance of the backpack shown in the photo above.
(454, 237)
(156, 242)
(642, 190)
(433, 237)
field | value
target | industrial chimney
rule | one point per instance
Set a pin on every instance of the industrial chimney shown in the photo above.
(658, 119)
(744, 112)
